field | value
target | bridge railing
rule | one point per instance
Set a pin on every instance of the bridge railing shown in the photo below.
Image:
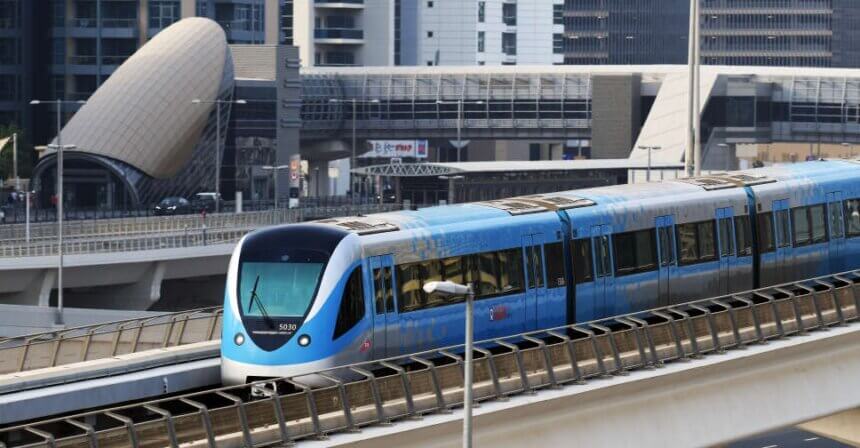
(282, 410)
(52, 349)
(83, 237)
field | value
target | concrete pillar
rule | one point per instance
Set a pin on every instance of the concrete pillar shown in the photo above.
(288, 111)
(140, 295)
(36, 292)
(143, 22)
(272, 24)
(319, 180)
(188, 8)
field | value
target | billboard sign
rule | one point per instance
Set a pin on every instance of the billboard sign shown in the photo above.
(387, 149)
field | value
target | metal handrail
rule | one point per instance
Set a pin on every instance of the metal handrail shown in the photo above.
(284, 410)
(86, 343)
(159, 233)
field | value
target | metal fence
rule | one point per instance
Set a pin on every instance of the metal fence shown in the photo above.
(17, 214)
(284, 410)
(132, 234)
(51, 349)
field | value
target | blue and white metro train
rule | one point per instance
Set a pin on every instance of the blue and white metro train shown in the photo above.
(304, 297)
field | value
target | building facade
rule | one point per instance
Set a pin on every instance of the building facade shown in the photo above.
(66, 49)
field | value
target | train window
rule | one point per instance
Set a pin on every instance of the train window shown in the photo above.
(379, 291)
(667, 254)
(554, 253)
(765, 232)
(535, 266)
(603, 264)
(783, 231)
(800, 224)
(452, 270)
(409, 279)
(351, 304)
(511, 271)
(726, 240)
(852, 217)
(431, 271)
(743, 235)
(582, 266)
(818, 224)
(389, 289)
(697, 242)
(836, 224)
(635, 252)
(487, 276)
(688, 248)
(707, 241)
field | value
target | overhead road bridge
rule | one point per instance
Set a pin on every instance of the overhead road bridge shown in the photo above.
(616, 108)
(135, 259)
(700, 373)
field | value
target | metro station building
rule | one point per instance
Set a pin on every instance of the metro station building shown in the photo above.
(140, 137)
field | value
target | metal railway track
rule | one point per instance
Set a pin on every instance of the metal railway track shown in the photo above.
(382, 391)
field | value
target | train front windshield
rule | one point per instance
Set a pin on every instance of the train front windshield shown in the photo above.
(276, 289)
(279, 289)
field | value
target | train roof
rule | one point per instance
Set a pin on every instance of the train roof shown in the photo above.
(616, 194)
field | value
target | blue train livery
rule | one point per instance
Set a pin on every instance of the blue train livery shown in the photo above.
(305, 297)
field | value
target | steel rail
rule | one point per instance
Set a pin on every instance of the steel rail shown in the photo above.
(281, 411)
(165, 233)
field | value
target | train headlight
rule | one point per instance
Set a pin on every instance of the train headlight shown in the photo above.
(239, 339)
(304, 340)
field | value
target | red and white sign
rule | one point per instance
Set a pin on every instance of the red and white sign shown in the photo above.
(397, 148)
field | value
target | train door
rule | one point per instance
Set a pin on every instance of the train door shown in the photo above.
(386, 324)
(726, 236)
(836, 230)
(533, 253)
(603, 280)
(666, 253)
(782, 234)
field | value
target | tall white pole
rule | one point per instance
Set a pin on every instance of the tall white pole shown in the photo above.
(27, 216)
(275, 180)
(697, 107)
(648, 173)
(217, 156)
(467, 370)
(59, 320)
(691, 56)
(15, 161)
(459, 126)
(353, 161)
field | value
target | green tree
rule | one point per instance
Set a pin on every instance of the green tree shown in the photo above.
(26, 154)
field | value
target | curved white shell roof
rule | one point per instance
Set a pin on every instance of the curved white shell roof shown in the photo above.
(143, 115)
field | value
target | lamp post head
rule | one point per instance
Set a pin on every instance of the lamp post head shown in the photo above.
(374, 101)
(196, 101)
(446, 288)
(35, 102)
(241, 102)
(333, 100)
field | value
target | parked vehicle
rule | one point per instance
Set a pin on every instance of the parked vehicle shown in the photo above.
(206, 202)
(173, 206)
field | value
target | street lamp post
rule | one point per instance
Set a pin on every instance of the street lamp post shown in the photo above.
(649, 148)
(217, 104)
(353, 159)
(459, 104)
(274, 170)
(449, 289)
(59, 193)
(15, 161)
